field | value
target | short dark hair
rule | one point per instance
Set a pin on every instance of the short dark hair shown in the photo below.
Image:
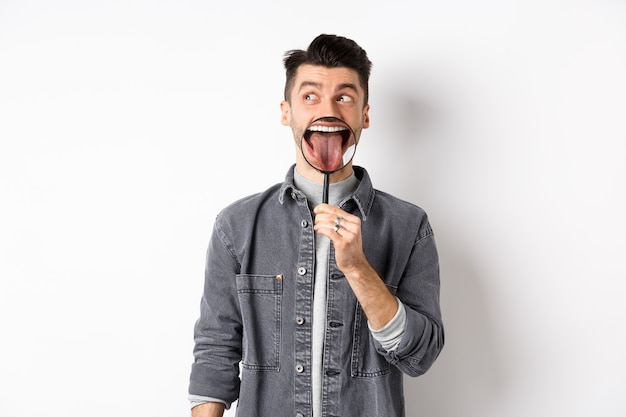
(330, 51)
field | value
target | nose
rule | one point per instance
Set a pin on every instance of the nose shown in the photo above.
(329, 108)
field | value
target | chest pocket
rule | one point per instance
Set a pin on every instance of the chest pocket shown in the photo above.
(260, 301)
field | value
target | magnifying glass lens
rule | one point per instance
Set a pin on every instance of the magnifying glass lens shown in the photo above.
(328, 144)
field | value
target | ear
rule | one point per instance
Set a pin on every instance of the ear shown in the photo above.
(366, 117)
(285, 110)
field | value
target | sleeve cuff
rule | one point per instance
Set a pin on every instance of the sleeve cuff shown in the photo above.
(196, 400)
(390, 336)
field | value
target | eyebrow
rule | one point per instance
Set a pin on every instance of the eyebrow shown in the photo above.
(313, 84)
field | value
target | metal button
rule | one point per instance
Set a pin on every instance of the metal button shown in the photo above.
(299, 321)
(301, 270)
(299, 415)
(299, 369)
(304, 223)
(293, 196)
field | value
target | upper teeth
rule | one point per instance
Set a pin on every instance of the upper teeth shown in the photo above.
(326, 128)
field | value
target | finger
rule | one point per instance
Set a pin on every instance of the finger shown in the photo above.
(326, 212)
(331, 220)
(330, 210)
(333, 233)
(330, 226)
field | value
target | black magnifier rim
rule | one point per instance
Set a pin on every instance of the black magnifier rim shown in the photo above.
(335, 119)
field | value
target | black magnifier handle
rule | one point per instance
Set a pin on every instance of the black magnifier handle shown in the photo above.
(326, 186)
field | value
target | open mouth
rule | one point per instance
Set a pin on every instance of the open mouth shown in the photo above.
(325, 143)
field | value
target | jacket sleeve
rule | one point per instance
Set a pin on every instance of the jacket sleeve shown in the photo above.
(218, 331)
(423, 337)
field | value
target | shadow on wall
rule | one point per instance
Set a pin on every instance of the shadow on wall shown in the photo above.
(467, 375)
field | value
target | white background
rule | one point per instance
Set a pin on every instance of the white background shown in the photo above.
(125, 126)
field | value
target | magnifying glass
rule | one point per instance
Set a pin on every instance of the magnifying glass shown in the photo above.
(328, 145)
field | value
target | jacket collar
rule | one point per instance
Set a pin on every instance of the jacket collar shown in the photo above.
(363, 196)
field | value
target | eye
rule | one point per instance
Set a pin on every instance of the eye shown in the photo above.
(310, 97)
(345, 98)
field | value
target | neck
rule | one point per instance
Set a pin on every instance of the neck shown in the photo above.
(338, 191)
(311, 174)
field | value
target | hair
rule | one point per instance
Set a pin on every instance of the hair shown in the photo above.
(330, 51)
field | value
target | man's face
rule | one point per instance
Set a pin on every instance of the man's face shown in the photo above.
(321, 92)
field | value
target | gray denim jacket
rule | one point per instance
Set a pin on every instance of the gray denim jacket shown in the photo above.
(258, 299)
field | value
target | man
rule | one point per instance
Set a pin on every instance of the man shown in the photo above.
(325, 306)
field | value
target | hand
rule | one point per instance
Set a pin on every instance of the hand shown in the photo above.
(344, 230)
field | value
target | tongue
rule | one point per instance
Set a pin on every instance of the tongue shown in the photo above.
(327, 151)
